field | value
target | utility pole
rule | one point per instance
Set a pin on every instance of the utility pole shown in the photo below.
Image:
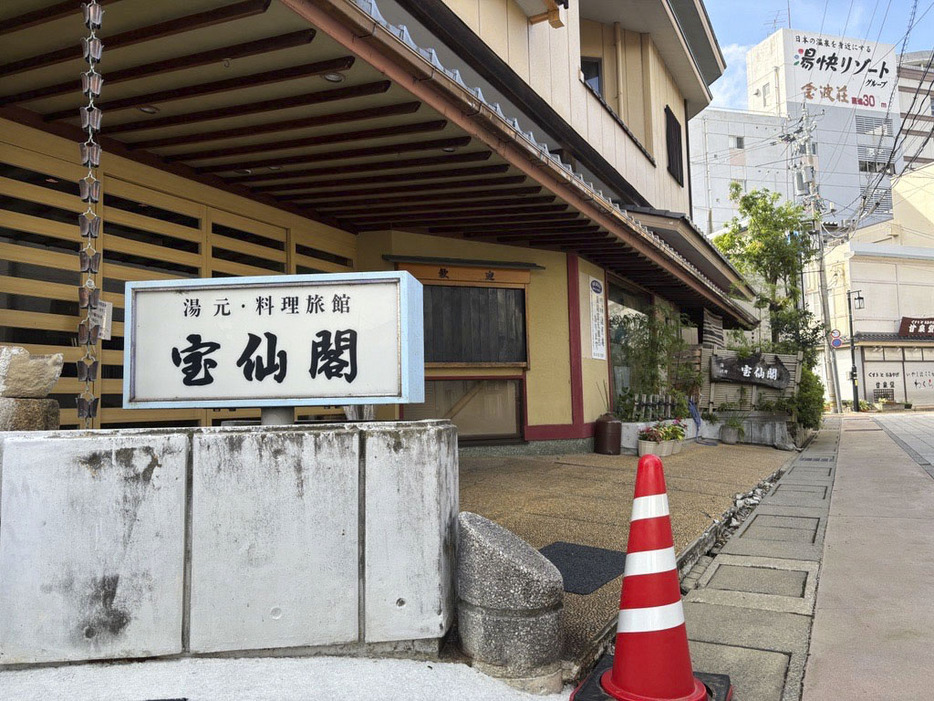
(806, 186)
(849, 308)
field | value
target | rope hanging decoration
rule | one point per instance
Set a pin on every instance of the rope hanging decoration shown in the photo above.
(89, 190)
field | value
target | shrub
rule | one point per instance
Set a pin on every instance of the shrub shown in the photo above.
(809, 401)
(679, 409)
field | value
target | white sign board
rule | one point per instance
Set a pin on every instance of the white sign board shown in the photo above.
(102, 315)
(297, 340)
(597, 320)
(830, 71)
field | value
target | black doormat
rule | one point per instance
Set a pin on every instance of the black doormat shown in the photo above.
(585, 569)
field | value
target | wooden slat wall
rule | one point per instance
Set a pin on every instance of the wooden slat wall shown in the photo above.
(713, 394)
(156, 226)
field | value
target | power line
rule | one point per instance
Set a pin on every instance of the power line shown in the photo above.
(889, 162)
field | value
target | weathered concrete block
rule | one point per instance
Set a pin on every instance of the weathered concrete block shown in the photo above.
(509, 606)
(411, 520)
(28, 414)
(274, 549)
(92, 534)
(26, 376)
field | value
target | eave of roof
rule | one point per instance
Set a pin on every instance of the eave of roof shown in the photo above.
(698, 236)
(870, 337)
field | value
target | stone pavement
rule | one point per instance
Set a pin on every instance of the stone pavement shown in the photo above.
(874, 627)
(913, 433)
(751, 613)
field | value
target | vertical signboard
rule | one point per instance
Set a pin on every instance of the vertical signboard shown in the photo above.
(299, 340)
(597, 320)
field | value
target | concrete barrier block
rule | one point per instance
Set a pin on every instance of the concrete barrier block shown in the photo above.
(28, 414)
(91, 547)
(411, 510)
(274, 543)
(509, 603)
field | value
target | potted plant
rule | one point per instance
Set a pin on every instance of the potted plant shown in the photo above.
(731, 432)
(667, 444)
(649, 440)
(677, 431)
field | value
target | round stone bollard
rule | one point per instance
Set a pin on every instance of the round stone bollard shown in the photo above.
(509, 603)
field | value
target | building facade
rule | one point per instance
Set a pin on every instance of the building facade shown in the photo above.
(851, 93)
(891, 266)
(526, 161)
(916, 101)
(740, 146)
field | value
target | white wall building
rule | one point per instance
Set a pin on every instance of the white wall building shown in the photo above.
(891, 265)
(728, 145)
(916, 100)
(848, 87)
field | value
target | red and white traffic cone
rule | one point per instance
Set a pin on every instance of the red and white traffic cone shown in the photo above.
(652, 660)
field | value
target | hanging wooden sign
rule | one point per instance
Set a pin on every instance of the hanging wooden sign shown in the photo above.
(753, 370)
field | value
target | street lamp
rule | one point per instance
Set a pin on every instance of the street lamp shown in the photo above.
(854, 298)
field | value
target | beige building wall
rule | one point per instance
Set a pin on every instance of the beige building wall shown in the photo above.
(548, 378)
(913, 206)
(44, 306)
(893, 286)
(548, 58)
(594, 372)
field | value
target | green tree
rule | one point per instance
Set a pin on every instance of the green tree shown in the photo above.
(768, 243)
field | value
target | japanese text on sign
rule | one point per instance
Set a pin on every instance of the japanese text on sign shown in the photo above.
(597, 320)
(833, 71)
(754, 369)
(301, 340)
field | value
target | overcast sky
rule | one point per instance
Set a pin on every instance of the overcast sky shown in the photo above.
(741, 24)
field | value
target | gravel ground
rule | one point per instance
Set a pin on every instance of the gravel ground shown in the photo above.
(587, 499)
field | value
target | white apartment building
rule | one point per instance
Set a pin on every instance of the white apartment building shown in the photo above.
(728, 145)
(916, 100)
(849, 89)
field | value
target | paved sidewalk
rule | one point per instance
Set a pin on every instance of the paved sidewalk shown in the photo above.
(913, 433)
(874, 628)
(751, 613)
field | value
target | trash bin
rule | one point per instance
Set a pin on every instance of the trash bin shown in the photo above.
(608, 431)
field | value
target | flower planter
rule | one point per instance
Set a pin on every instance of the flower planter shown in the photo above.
(729, 435)
(665, 448)
(648, 448)
(676, 448)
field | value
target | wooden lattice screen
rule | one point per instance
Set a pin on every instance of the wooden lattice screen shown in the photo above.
(148, 234)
